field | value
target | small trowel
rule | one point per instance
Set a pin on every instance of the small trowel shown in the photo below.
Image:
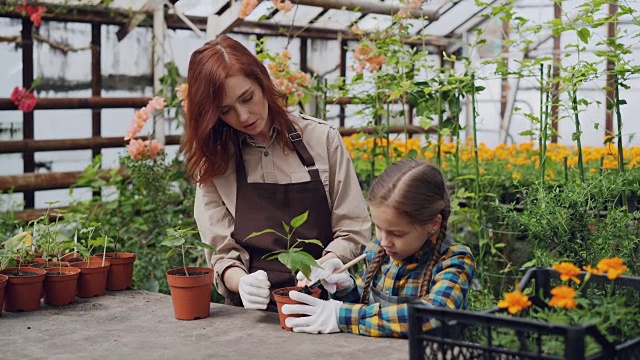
(321, 274)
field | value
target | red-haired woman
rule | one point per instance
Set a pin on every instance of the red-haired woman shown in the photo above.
(256, 165)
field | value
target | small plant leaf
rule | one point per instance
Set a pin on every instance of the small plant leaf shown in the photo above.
(205, 246)
(312, 241)
(300, 219)
(172, 242)
(254, 234)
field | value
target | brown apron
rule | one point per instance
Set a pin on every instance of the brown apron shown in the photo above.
(261, 206)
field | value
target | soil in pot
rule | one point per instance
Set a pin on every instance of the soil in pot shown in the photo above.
(281, 297)
(60, 285)
(3, 285)
(191, 295)
(23, 289)
(93, 277)
(120, 276)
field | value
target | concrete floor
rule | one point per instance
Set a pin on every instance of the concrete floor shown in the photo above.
(140, 325)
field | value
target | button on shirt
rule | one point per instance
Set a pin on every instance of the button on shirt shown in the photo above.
(215, 201)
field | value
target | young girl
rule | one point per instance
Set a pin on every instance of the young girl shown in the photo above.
(411, 258)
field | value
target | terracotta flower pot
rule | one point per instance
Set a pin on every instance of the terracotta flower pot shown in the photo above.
(93, 278)
(61, 289)
(73, 258)
(3, 284)
(121, 271)
(23, 292)
(281, 296)
(191, 295)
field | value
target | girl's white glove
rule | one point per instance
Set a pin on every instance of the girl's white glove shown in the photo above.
(254, 290)
(332, 282)
(323, 314)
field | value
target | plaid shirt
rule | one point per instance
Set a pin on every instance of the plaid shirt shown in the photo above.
(449, 287)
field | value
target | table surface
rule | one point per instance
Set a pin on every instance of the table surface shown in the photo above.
(137, 324)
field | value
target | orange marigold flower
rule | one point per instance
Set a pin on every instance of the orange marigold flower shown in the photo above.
(567, 271)
(563, 296)
(614, 267)
(592, 270)
(514, 302)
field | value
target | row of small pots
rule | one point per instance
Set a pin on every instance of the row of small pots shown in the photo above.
(61, 283)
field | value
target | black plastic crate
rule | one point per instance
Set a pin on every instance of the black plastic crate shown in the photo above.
(471, 335)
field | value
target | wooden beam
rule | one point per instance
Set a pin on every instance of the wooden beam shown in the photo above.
(94, 102)
(367, 7)
(18, 146)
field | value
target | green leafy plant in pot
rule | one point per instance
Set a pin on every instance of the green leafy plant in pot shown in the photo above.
(24, 284)
(121, 270)
(190, 286)
(93, 270)
(295, 259)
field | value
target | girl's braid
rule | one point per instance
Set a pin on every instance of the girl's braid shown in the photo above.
(435, 256)
(371, 272)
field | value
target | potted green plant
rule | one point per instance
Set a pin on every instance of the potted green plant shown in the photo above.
(190, 286)
(24, 284)
(120, 275)
(295, 259)
(93, 270)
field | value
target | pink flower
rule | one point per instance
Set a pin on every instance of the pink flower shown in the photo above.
(23, 99)
(157, 103)
(136, 149)
(154, 148)
(247, 7)
(285, 5)
(17, 94)
(181, 91)
(34, 12)
(28, 102)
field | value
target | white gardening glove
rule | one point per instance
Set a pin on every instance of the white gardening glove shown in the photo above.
(254, 290)
(323, 314)
(332, 282)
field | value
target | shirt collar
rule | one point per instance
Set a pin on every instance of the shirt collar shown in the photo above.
(249, 140)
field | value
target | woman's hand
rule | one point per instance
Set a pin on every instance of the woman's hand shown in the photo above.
(254, 290)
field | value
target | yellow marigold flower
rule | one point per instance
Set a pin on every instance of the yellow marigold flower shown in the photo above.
(592, 270)
(563, 296)
(514, 302)
(567, 271)
(614, 267)
(593, 171)
(516, 175)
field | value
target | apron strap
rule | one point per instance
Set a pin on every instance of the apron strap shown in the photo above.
(302, 152)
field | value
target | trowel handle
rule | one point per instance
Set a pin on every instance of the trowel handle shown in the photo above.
(351, 263)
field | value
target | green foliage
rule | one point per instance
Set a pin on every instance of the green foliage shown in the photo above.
(293, 257)
(577, 221)
(137, 203)
(182, 240)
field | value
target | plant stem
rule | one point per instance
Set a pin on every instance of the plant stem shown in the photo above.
(574, 102)
(184, 262)
(620, 149)
(477, 167)
(388, 135)
(439, 149)
(542, 90)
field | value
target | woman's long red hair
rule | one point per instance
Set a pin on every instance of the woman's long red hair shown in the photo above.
(209, 144)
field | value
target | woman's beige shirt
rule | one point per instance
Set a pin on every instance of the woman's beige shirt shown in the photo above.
(215, 202)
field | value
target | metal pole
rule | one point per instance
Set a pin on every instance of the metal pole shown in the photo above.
(158, 63)
(27, 117)
(96, 84)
